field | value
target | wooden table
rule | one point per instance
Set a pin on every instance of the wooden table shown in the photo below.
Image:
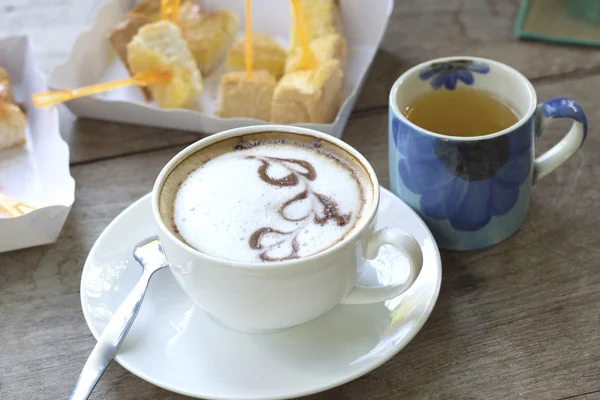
(520, 320)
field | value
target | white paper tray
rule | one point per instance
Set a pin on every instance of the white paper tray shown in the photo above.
(38, 173)
(93, 60)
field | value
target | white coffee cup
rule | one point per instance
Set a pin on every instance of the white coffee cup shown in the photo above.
(277, 295)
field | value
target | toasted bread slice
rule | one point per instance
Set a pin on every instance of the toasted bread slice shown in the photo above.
(267, 55)
(247, 98)
(309, 96)
(211, 38)
(190, 14)
(12, 125)
(329, 47)
(5, 86)
(148, 11)
(160, 45)
(321, 17)
(145, 12)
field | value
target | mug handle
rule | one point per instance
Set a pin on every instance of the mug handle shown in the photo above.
(403, 242)
(547, 111)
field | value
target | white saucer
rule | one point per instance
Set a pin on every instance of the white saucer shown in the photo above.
(175, 345)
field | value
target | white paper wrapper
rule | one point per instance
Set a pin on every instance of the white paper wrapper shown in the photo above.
(93, 60)
(37, 173)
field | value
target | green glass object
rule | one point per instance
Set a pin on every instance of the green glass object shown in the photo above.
(570, 22)
(588, 10)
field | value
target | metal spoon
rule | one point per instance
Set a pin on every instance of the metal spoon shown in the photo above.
(150, 255)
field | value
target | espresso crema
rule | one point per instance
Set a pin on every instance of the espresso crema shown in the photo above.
(266, 197)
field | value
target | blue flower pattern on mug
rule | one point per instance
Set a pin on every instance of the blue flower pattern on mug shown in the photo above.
(465, 182)
(449, 73)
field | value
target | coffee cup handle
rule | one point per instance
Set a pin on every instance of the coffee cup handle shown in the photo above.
(563, 150)
(403, 242)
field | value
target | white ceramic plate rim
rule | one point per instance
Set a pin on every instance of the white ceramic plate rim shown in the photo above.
(313, 390)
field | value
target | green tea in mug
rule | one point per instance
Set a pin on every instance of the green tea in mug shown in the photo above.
(462, 112)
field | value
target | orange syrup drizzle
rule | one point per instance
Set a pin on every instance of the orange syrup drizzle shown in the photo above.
(169, 10)
(308, 60)
(248, 40)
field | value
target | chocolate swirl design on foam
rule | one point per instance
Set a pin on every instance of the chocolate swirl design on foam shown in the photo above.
(323, 208)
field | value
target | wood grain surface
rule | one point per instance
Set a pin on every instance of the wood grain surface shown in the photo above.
(520, 320)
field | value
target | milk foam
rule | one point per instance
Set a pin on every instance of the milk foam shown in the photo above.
(272, 202)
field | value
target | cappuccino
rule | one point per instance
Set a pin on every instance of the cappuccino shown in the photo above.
(264, 197)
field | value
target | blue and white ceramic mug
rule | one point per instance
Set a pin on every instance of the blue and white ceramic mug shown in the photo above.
(474, 192)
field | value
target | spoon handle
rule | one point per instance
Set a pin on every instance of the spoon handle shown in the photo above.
(110, 340)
